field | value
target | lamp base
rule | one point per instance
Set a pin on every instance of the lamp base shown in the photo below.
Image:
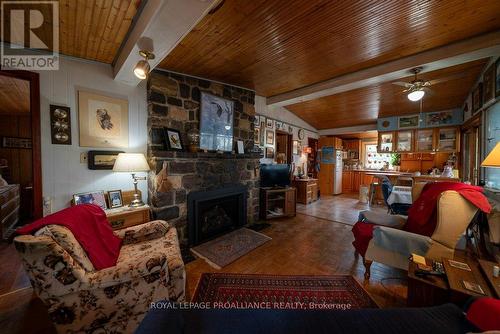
(136, 203)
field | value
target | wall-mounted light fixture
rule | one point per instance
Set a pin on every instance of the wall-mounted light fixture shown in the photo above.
(141, 69)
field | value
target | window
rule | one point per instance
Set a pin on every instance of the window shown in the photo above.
(492, 175)
(373, 159)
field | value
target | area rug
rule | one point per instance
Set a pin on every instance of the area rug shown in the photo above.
(231, 246)
(282, 292)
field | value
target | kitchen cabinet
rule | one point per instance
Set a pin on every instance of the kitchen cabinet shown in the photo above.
(356, 181)
(385, 142)
(404, 141)
(347, 181)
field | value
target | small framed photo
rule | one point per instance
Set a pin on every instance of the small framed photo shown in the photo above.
(290, 129)
(256, 121)
(474, 287)
(262, 122)
(269, 152)
(270, 137)
(278, 125)
(408, 122)
(94, 197)
(173, 139)
(240, 147)
(102, 160)
(269, 123)
(295, 147)
(256, 136)
(115, 199)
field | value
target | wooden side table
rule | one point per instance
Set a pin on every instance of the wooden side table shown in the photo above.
(307, 190)
(126, 216)
(426, 291)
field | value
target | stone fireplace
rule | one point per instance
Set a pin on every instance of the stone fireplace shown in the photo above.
(174, 102)
(215, 212)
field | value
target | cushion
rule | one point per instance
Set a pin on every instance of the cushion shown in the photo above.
(484, 313)
(67, 241)
(382, 219)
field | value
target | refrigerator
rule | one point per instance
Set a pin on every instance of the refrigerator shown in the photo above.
(337, 173)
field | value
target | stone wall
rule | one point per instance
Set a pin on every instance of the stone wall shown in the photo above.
(174, 102)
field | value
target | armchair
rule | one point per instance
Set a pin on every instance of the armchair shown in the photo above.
(393, 246)
(82, 299)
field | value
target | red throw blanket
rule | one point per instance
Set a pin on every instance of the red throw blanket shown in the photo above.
(91, 228)
(422, 214)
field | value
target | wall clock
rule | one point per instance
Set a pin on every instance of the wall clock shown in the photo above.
(301, 134)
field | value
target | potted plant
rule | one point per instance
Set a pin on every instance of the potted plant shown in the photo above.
(395, 161)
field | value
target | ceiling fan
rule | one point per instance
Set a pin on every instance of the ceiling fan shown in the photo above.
(417, 88)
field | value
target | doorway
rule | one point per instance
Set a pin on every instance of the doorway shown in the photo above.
(283, 147)
(20, 153)
(471, 151)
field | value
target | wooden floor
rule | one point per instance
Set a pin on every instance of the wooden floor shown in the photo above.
(302, 245)
(340, 208)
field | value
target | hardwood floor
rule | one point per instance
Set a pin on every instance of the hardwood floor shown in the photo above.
(301, 245)
(340, 208)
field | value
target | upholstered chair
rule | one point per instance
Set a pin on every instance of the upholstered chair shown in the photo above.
(112, 300)
(391, 245)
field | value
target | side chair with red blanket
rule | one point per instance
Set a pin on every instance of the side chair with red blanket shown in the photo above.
(432, 229)
(80, 293)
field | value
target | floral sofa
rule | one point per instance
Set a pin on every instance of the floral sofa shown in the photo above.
(111, 300)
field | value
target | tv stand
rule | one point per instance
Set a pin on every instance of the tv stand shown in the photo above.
(277, 202)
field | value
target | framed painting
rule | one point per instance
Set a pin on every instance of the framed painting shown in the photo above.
(94, 197)
(269, 137)
(489, 84)
(439, 118)
(477, 98)
(256, 136)
(408, 122)
(102, 160)
(262, 122)
(295, 147)
(256, 121)
(103, 120)
(173, 139)
(216, 124)
(270, 152)
(60, 125)
(269, 123)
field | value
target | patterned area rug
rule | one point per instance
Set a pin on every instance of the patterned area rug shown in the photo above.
(282, 292)
(231, 246)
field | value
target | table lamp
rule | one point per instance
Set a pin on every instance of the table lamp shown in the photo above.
(493, 159)
(132, 163)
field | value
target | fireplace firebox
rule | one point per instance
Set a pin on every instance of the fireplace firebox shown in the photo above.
(215, 212)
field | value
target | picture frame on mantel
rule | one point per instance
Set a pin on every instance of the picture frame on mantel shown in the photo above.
(103, 120)
(173, 139)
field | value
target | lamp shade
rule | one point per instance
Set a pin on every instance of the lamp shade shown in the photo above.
(131, 162)
(493, 159)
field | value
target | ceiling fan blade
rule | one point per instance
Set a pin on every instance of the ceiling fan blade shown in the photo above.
(428, 91)
(447, 78)
(401, 83)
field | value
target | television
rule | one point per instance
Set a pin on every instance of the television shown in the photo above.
(274, 175)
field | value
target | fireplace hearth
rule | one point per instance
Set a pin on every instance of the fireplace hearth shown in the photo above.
(215, 212)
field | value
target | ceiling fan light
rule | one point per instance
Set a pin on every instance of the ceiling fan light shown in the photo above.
(141, 69)
(416, 95)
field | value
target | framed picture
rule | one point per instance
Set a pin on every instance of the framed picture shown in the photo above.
(269, 137)
(262, 122)
(173, 139)
(269, 123)
(489, 84)
(256, 121)
(103, 120)
(256, 136)
(15, 142)
(477, 98)
(327, 155)
(290, 129)
(408, 122)
(102, 160)
(240, 147)
(497, 78)
(438, 118)
(95, 197)
(60, 125)
(115, 199)
(295, 147)
(216, 124)
(262, 137)
(278, 125)
(269, 152)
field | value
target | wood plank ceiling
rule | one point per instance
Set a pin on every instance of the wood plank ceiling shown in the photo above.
(94, 29)
(14, 96)
(364, 105)
(280, 45)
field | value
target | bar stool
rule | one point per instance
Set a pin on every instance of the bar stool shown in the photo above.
(373, 189)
